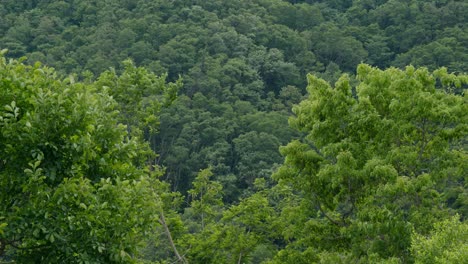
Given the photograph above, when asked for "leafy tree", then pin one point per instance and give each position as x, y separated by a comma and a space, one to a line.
256, 154
436, 54
237, 234
447, 243
75, 186
141, 96
331, 44
244, 65
206, 197
375, 163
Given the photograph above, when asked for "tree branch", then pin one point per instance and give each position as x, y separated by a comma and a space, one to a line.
319, 206
240, 258
4, 243
162, 220
335, 222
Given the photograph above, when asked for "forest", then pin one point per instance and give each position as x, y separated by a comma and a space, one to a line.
233, 131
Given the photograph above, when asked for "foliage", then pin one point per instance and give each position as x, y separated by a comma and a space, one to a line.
75, 187
233, 54
372, 163
375, 163
217, 234
447, 243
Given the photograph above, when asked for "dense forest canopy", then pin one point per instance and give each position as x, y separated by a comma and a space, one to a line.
221, 131
244, 63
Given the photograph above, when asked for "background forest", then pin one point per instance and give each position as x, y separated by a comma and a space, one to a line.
373, 164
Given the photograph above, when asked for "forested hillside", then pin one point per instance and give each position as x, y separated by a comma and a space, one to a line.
243, 62
224, 131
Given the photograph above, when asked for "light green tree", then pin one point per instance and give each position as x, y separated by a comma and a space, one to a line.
447, 243
75, 188
377, 162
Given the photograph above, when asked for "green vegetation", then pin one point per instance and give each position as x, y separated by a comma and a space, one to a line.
376, 164
161, 133
75, 187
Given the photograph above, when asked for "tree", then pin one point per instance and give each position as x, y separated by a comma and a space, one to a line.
443, 52
376, 163
331, 44
74, 186
256, 154
217, 234
447, 243
206, 197
141, 96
